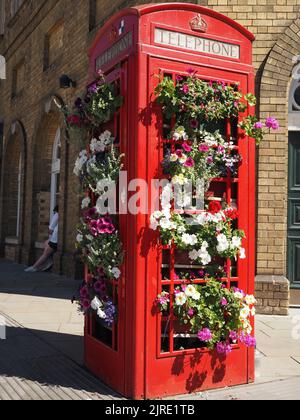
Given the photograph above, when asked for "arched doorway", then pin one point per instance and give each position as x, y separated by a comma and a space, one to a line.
13, 192
55, 171
46, 182
293, 245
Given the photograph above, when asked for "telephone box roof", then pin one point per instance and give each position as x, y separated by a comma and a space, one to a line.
158, 7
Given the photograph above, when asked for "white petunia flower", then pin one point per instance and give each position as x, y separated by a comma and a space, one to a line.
116, 273
236, 242
180, 180
157, 214
96, 304
250, 300
79, 238
196, 296
181, 230
205, 258
80, 162
204, 246
223, 243
201, 219
245, 312
180, 299
189, 239
194, 255
242, 254
239, 295
173, 157
101, 314
85, 202
153, 223
190, 291
165, 223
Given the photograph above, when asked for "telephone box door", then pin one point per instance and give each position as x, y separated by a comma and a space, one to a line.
105, 347
174, 365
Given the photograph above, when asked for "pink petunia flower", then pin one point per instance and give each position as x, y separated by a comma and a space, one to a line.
185, 88
224, 302
186, 147
203, 148
189, 163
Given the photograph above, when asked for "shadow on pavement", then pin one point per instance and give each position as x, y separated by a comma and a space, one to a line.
28, 356
13, 280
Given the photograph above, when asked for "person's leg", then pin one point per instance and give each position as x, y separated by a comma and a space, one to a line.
48, 252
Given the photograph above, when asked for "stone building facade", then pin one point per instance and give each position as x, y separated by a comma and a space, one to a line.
44, 39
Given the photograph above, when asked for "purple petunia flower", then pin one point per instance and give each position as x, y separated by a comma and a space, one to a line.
224, 348
100, 287
86, 304
93, 88
84, 292
209, 160
233, 336
205, 335
258, 126
272, 123
248, 340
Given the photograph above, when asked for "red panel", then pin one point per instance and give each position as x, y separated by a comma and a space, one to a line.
138, 369
192, 370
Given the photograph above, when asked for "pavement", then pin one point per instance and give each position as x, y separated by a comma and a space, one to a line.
42, 356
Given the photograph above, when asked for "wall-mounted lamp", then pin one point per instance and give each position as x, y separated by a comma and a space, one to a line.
65, 82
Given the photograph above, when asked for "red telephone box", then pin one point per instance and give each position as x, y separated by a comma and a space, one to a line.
137, 357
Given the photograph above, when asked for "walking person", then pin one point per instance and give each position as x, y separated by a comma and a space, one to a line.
45, 262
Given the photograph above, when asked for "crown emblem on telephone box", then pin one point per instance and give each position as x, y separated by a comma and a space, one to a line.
198, 24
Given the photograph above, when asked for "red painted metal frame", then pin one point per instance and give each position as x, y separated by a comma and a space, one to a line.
139, 369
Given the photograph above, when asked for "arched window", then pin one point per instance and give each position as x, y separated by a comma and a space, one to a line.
293, 225
13, 189
294, 106
55, 171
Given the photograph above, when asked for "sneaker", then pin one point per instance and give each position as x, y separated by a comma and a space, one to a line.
31, 270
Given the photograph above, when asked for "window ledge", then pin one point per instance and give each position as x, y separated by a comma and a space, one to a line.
39, 245
12, 241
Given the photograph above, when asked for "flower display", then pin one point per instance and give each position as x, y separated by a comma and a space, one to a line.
257, 129
96, 107
202, 149
94, 297
98, 238
205, 235
218, 316
201, 100
204, 156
